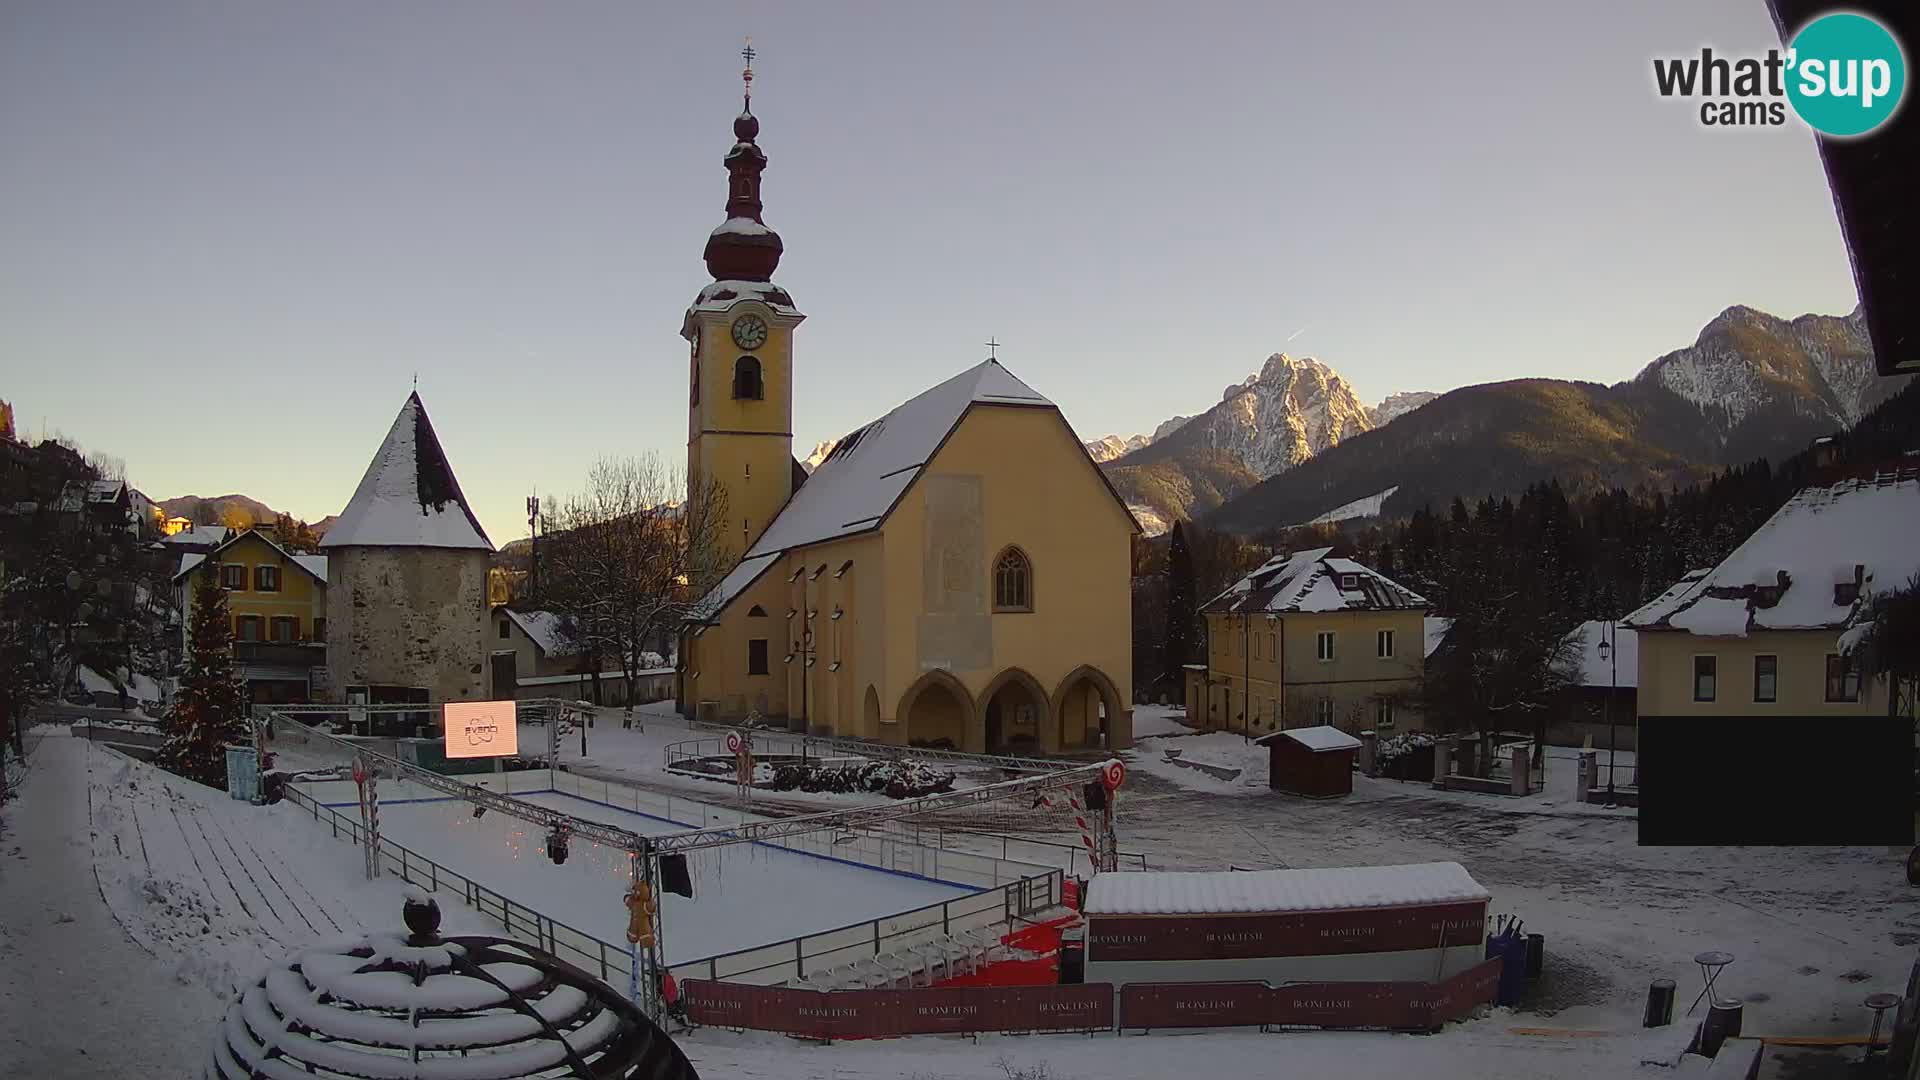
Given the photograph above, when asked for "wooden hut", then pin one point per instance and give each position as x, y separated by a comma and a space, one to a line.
1313, 761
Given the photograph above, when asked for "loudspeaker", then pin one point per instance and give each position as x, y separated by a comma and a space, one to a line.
1096, 796
673, 875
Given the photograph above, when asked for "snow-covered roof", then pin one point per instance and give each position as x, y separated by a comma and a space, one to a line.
741, 226
409, 496
545, 629
1152, 892
856, 485
203, 534
1591, 670
1308, 581
1783, 577
104, 491
312, 564
721, 295
1436, 632
1317, 738
744, 574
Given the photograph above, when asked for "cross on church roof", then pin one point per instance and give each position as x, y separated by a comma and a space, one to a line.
746, 74
993, 349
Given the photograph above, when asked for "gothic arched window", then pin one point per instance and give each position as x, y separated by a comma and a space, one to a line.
746, 379
1012, 581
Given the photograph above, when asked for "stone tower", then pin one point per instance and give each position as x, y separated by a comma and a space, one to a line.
740, 372
407, 573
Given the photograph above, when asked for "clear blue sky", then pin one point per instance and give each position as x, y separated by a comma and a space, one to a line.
233, 232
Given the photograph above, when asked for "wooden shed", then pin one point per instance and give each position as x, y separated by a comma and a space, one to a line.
1313, 761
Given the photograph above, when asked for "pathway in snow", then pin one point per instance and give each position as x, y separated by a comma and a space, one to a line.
79, 998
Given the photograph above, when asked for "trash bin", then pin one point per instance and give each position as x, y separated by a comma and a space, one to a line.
1073, 956
1722, 1023
1536, 954
1659, 1003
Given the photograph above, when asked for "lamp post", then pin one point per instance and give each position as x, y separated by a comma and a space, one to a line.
1611, 654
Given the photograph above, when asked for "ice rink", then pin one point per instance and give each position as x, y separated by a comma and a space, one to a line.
744, 895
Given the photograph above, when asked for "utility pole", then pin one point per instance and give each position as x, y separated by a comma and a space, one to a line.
533, 547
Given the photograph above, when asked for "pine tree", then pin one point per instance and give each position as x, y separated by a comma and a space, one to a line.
1181, 636
210, 712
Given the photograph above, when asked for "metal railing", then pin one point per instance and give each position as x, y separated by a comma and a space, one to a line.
1010, 891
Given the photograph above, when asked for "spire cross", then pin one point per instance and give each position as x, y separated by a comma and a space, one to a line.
993, 349
746, 74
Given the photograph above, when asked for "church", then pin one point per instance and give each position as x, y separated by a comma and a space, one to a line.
956, 573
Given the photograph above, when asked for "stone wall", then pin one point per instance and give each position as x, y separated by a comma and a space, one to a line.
407, 617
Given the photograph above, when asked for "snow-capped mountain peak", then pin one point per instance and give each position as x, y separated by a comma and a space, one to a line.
1289, 410
1746, 363
1398, 405
820, 451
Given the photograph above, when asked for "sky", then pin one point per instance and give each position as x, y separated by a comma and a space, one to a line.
235, 233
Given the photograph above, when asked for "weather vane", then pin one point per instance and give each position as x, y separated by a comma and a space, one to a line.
746, 74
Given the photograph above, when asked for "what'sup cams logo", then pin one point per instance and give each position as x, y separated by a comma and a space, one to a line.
1843, 74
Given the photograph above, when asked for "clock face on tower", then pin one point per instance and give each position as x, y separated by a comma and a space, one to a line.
749, 332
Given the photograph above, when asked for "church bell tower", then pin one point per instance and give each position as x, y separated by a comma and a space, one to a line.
740, 370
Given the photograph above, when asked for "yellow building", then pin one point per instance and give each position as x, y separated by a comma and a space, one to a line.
954, 573
278, 603
1767, 631
1308, 639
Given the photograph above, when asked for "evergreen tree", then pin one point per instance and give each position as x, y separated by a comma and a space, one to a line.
210, 712
1182, 634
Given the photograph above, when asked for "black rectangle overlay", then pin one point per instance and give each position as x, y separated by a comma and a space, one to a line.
1772, 780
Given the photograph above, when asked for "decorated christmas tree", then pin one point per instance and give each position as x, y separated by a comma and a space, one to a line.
210, 711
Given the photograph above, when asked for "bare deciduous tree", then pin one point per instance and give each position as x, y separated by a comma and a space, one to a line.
630, 558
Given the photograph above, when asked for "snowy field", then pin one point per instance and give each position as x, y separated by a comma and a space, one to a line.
745, 895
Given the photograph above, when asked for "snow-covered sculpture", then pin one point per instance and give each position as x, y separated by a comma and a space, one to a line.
417, 1006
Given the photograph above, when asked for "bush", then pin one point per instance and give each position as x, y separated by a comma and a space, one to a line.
895, 779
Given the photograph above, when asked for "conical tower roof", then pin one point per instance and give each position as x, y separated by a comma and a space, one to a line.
409, 497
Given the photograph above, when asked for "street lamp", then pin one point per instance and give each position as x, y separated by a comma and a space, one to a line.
1612, 656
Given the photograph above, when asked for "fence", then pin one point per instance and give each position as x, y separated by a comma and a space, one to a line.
832, 746
959, 1010
843, 1014
1010, 892
1396, 1006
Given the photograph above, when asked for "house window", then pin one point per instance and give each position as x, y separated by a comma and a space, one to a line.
1012, 581
1323, 645
1273, 646
266, 579
1382, 712
246, 627
1705, 672
757, 656
285, 629
1766, 678
505, 632
1843, 678
1323, 711
758, 612
1349, 581
1383, 644
747, 384
1256, 648
234, 577
319, 629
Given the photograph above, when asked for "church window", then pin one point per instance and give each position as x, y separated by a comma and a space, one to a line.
757, 656
1012, 581
746, 379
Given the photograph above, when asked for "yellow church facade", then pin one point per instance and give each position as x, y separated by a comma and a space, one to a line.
956, 573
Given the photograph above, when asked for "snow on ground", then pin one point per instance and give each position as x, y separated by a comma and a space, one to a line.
638, 756
1220, 749
744, 895
1813, 930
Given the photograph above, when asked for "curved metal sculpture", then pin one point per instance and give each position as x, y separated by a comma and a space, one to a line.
414, 1007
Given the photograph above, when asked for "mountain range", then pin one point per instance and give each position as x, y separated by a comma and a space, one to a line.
1750, 386
235, 510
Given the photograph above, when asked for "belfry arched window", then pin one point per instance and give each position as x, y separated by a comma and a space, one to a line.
1012, 581
746, 379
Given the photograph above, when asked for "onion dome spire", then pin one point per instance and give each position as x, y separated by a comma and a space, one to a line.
743, 248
